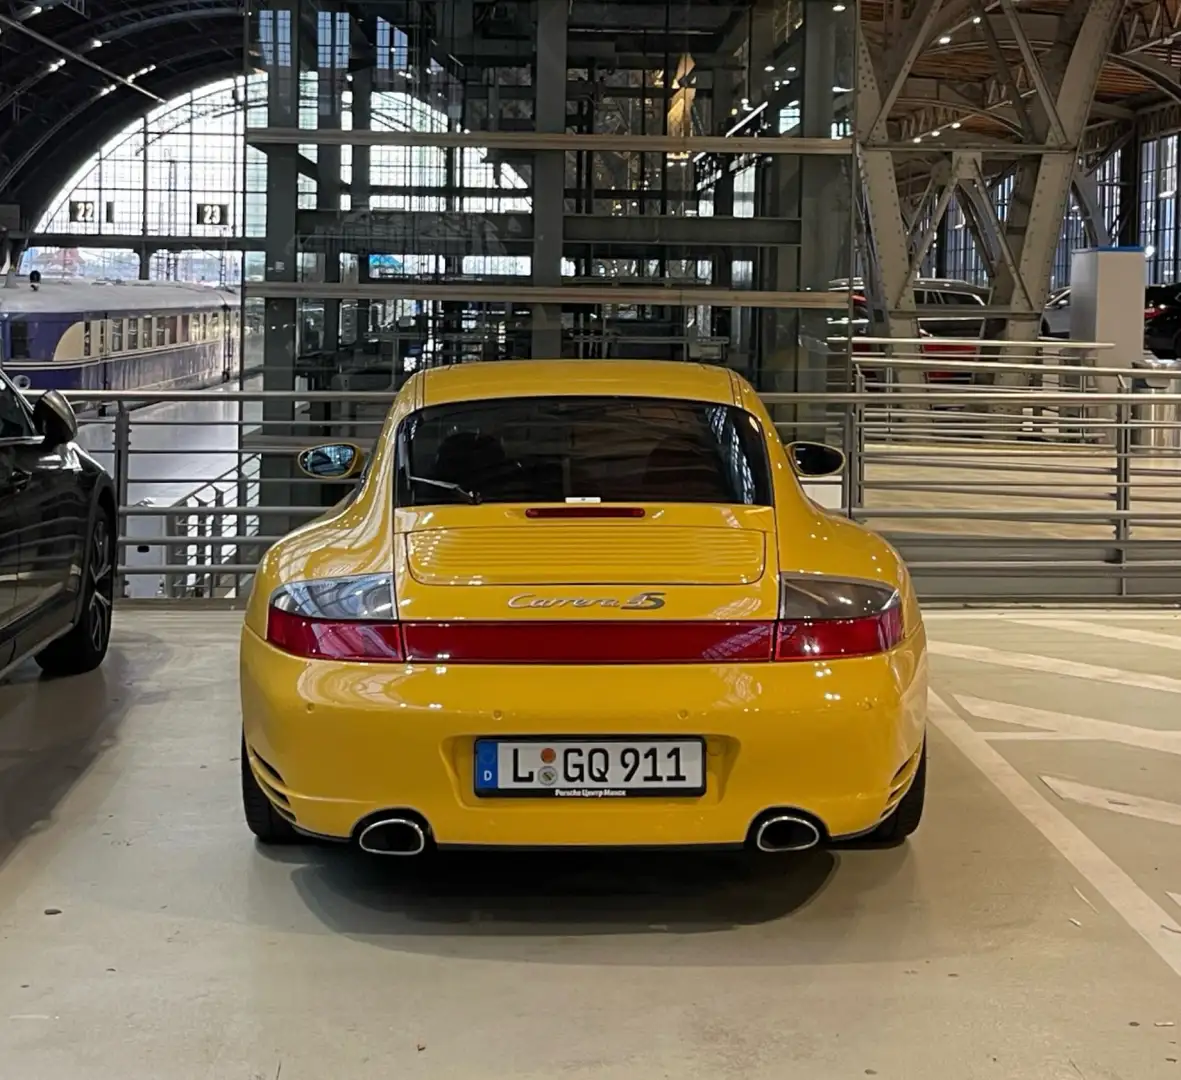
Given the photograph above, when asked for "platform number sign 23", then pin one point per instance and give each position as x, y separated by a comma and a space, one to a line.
213, 214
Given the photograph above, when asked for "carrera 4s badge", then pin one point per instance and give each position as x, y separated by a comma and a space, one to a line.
645, 601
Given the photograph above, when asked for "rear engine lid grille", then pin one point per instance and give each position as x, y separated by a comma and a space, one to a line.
599, 554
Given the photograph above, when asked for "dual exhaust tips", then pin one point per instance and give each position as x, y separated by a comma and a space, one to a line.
403, 837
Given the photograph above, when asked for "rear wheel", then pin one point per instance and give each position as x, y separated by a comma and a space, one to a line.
85, 646
262, 818
909, 812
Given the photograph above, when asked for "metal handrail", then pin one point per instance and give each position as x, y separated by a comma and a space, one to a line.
970, 496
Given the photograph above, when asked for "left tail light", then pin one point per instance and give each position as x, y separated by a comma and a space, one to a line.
351, 618
827, 618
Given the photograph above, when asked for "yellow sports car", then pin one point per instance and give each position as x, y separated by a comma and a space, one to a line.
581, 603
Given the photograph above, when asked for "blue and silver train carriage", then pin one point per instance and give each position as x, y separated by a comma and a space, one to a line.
117, 335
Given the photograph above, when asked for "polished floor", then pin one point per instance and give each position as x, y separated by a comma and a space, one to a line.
1030, 931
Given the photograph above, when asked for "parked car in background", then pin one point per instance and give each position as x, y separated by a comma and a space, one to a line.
935, 299
57, 539
1162, 333
1157, 298
1056, 315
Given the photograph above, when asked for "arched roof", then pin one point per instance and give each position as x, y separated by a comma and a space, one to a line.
57, 114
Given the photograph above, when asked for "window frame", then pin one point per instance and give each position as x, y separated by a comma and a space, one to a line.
7, 386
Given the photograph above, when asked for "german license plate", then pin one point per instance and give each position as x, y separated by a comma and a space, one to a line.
589, 768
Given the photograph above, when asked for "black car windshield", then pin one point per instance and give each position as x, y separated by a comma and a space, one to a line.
562, 449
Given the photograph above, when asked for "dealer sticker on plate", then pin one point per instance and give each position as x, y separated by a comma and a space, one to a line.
589, 768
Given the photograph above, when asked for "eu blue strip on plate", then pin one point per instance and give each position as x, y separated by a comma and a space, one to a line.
486, 770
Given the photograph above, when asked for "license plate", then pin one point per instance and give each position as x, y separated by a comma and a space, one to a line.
589, 768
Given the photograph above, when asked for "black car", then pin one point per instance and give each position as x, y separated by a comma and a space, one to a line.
57, 539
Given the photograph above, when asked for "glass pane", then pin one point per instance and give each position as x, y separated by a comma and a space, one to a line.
583, 448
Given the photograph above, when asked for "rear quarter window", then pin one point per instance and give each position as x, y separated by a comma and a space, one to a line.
563, 449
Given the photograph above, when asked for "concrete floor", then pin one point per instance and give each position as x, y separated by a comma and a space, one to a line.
1026, 933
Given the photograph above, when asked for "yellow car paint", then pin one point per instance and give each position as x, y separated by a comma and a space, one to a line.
332, 743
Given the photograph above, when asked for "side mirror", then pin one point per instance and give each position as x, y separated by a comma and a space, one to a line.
816, 459
54, 418
335, 461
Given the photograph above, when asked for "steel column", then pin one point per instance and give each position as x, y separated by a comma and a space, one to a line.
280, 333
1041, 193
549, 173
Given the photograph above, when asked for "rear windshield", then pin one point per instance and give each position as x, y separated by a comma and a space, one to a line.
559, 449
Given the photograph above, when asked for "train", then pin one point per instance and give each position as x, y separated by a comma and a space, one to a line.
75, 334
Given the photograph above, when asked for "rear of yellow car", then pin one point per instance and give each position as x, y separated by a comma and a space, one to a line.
582, 605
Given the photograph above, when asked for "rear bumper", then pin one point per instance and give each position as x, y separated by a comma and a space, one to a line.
332, 744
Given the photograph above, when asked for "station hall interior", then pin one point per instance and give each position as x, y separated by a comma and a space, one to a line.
590, 539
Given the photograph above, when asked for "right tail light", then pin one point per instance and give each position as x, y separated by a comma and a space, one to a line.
827, 618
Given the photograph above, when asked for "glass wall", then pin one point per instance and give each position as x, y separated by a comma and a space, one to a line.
961, 256
1159, 208
177, 172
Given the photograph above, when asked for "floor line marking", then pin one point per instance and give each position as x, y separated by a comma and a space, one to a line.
1118, 802
1143, 914
1053, 666
1117, 633
1068, 725
1036, 736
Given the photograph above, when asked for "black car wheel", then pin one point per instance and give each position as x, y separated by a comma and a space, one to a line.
85, 646
262, 819
909, 811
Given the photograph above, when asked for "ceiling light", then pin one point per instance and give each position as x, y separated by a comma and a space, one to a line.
976, 20
956, 124
918, 138
769, 67
36, 9
97, 43
838, 7
945, 40
791, 69
936, 132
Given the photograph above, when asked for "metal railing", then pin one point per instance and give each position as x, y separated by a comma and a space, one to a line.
1044, 477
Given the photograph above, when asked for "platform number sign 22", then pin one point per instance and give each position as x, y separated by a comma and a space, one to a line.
213, 214
83, 210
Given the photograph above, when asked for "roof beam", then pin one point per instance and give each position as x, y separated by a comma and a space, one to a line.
70, 54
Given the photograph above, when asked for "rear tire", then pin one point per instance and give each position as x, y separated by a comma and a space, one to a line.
85, 646
262, 819
909, 811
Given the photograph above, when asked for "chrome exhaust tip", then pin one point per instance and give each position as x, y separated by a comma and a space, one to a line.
393, 836
786, 832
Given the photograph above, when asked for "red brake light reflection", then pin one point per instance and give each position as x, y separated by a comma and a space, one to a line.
585, 511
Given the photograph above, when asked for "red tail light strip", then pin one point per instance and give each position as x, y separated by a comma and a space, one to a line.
554, 642
558, 642
585, 512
